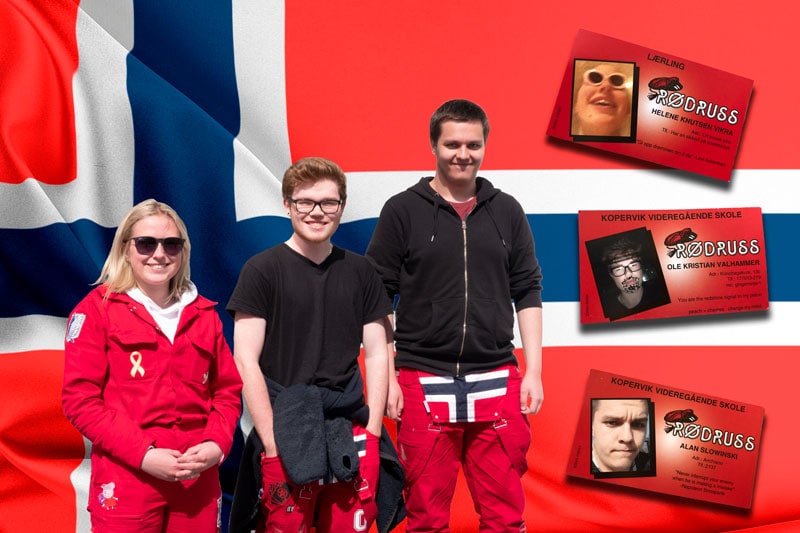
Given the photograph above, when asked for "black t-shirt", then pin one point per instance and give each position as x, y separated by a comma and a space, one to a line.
315, 313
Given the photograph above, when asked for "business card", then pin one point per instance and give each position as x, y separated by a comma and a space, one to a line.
637, 265
665, 439
651, 105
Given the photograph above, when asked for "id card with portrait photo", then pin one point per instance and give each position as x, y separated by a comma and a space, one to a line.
643, 103
638, 265
665, 439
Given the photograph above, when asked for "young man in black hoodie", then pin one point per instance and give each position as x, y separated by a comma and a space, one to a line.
460, 255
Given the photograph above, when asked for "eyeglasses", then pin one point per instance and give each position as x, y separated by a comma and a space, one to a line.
304, 206
595, 77
149, 245
619, 270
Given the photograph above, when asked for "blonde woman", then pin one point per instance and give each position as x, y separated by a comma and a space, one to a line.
150, 381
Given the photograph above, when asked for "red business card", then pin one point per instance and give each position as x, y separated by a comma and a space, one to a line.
643, 103
665, 439
637, 265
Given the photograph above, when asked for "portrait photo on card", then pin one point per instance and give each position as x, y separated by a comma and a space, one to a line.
604, 101
622, 437
627, 273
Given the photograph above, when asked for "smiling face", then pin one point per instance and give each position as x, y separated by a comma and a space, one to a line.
618, 432
459, 152
602, 105
314, 227
153, 272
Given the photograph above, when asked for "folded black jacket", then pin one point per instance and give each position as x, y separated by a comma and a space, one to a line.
304, 412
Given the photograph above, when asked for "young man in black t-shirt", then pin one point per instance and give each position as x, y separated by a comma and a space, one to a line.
302, 310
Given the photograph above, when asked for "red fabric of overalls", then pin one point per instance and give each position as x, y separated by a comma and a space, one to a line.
342, 506
493, 455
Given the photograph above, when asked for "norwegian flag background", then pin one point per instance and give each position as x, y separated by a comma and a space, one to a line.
203, 105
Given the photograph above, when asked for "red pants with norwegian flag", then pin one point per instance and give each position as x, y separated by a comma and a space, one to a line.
492, 454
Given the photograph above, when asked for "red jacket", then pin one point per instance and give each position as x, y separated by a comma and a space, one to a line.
126, 386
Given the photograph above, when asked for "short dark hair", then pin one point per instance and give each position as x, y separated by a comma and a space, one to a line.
621, 249
312, 170
596, 403
459, 111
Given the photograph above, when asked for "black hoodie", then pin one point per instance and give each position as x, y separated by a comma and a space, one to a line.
456, 281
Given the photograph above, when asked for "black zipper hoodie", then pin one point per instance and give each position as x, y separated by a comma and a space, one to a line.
456, 280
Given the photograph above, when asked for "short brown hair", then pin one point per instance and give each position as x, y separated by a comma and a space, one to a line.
312, 170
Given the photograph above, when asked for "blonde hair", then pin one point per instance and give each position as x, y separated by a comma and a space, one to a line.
117, 274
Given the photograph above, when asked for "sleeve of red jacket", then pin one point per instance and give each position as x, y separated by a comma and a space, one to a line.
85, 378
226, 388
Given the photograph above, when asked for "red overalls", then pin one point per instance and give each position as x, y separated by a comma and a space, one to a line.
127, 387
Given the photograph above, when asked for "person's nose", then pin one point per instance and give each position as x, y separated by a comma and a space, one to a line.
462, 153
605, 86
625, 433
159, 251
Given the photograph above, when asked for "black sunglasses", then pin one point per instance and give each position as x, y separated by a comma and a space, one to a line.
149, 245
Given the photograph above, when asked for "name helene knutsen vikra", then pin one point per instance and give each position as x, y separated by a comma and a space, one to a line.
717, 248
699, 107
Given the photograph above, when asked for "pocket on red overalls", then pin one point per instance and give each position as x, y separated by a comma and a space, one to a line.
367, 485
285, 505
370, 461
416, 433
514, 429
